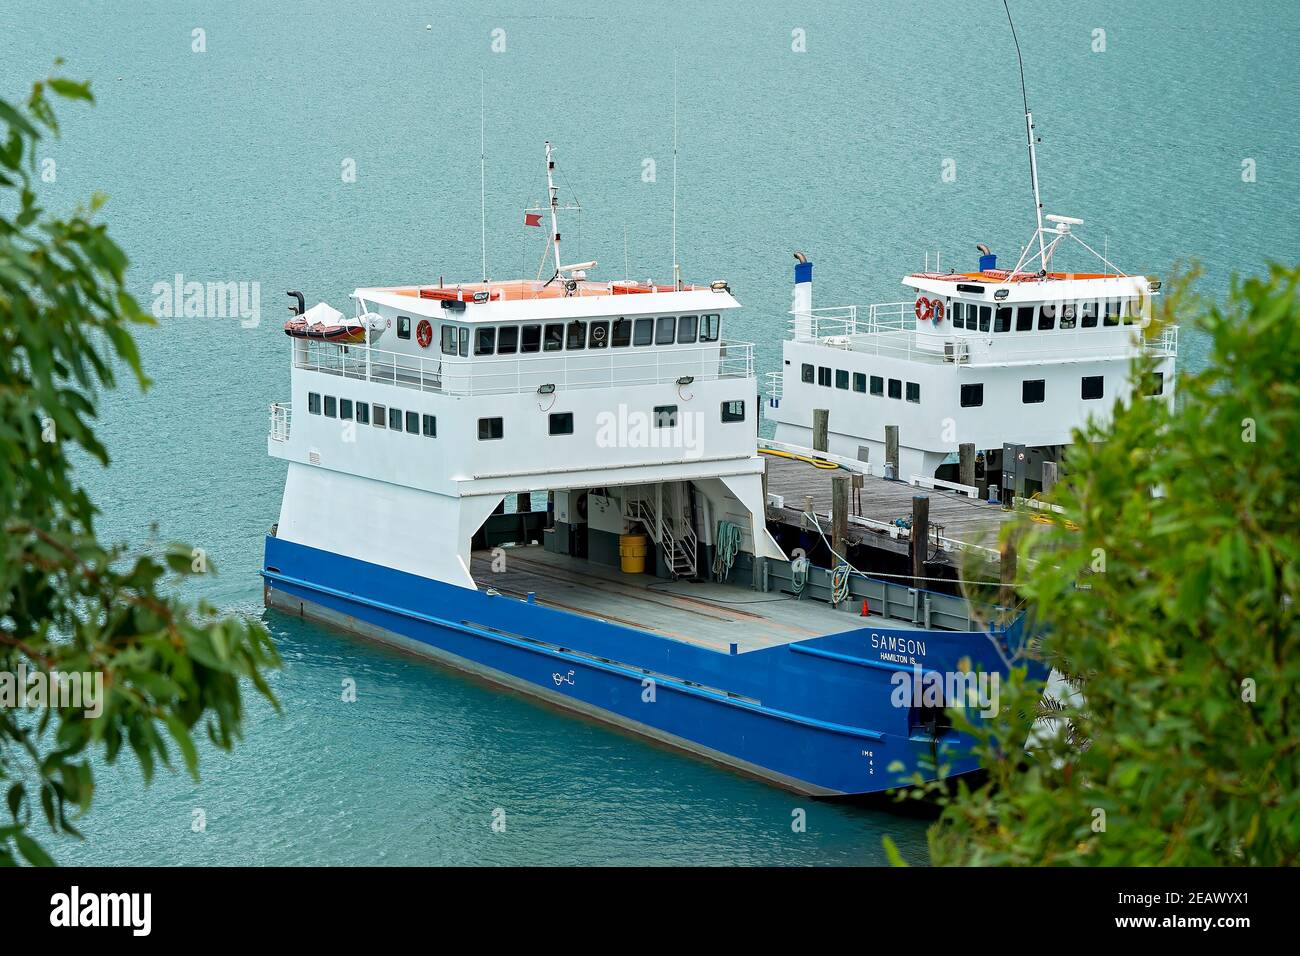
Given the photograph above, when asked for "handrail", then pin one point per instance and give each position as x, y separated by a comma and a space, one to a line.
493, 376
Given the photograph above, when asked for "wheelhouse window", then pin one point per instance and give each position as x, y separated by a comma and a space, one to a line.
710, 327
531, 338
381, 416
644, 333
859, 381
1069, 315
553, 337
395, 419
449, 340
1092, 386
363, 413
841, 378
914, 392
508, 340
1047, 318
972, 396
561, 423
1153, 384
345, 408
986, 315
490, 429
464, 343
823, 376
413, 423
1113, 310
665, 328
331, 407
1033, 391
403, 326
877, 385
805, 372
313, 402
621, 334
599, 336
687, 329
485, 339
577, 338
896, 387
1088, 318
429, 426
665, 416
959, 315
1002, 319
1025, 318
733, 412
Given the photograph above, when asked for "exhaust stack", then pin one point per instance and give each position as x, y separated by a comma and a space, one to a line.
802, 302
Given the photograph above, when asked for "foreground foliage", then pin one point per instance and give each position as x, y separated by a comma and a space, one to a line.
69, 604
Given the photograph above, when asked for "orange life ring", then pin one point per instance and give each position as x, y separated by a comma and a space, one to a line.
938, 311
424, 333
924, 308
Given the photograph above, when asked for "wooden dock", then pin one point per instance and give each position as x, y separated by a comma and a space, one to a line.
955, 520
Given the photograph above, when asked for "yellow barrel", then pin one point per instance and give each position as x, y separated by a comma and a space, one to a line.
632, 551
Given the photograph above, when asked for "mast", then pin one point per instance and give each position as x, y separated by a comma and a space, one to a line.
1029, 136
482, 172
554, 194
677, 269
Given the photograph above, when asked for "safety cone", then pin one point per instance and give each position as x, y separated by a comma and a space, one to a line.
865, 610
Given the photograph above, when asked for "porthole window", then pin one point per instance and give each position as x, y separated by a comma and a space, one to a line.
403, 326
331, 406
413, 423
972, 396
429, 426
490, 429
896, 386
395, 419
561, 423
313, 403
1033, 391
363, 413
806, 372
733, 411
345, 408
381, 417
665, 416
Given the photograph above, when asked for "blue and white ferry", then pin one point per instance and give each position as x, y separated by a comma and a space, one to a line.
556, 486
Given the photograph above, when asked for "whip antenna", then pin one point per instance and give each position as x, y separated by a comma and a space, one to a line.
1029, 136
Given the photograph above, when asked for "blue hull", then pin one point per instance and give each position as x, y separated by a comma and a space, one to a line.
814, 716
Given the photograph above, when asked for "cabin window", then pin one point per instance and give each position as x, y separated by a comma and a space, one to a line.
687, 329
1069, 316
895, 388
562, 423
841, 378
363, 413
1025, 318
331, 407
664, 330
665, 416
464, 343
733, 412
413, 423
877, 385
914, 392
381, 420
345, 408
403, 327
1092, 386
1089, 318
508, 340
485, 341
1002, 320
1113, 311
859, 381
621, 335
972, 396
1033, 391
449, 340
710, 327
553, 338
1154, 384
490, 429
823, 376
806, 373
531, 339
644, 333
959, 315
986, 314
599, 335
395, 419
577, 336
1047, 318
313, 402
429, 426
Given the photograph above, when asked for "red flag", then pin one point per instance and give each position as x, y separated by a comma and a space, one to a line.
532, 219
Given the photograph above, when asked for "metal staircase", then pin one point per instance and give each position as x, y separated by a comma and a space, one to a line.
664, 510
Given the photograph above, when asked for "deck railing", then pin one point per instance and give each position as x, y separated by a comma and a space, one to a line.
280, 415
594, 368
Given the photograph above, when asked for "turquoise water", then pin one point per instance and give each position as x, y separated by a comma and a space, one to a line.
225, 166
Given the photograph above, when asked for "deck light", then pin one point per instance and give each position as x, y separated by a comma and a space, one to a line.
1001, 294
686, 380
546, 389
720, 286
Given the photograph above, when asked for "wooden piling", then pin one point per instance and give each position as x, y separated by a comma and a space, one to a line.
1049, 477
891, 449
839, 516
1007, 576
966, 463
821, 424
920, 538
